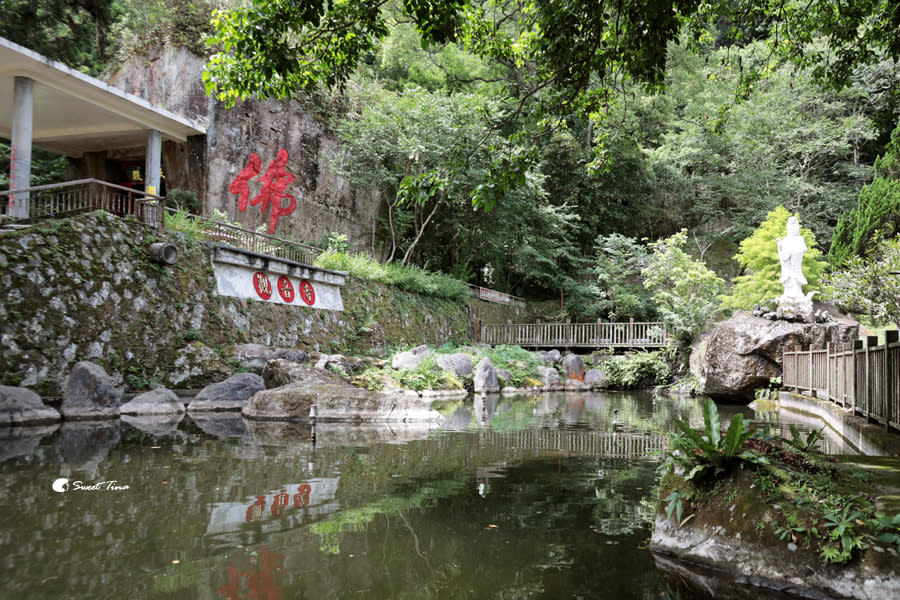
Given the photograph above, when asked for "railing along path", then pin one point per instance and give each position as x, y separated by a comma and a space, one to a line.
863, 376
632, 334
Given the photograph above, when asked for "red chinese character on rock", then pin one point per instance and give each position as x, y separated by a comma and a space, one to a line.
274, 181
260, 579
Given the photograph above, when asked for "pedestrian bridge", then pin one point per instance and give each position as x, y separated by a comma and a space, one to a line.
631, 334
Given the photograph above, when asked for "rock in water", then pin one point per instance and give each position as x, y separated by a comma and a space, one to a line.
337, 402
736, 357
90, 394
486, 377
231, 394
160, 401
282, 372
21, 405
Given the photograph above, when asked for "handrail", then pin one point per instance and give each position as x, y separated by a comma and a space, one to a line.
71, 197
263, 243
862, 377
50, 186
630, 334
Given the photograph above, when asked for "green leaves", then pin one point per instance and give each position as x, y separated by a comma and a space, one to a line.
700, 452
758, 255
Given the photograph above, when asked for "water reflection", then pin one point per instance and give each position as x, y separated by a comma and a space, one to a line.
533, 496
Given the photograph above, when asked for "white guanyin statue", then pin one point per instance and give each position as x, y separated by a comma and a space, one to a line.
793, 304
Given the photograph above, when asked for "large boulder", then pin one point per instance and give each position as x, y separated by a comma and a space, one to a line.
90, 394
548, 375
337, 402
736, 357
21, 405
231, 394
486, 379
459, 364
196, 365
411, 358
595, 379
280, 372
256, 356
155, 402
550, 357
341, 363
573, 366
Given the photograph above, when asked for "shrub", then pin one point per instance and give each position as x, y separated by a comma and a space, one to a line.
640, 370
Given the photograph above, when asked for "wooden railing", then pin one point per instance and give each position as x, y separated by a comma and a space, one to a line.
576, 335
74, 197
233, 235
862, 376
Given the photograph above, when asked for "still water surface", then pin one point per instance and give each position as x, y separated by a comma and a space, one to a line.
521, 497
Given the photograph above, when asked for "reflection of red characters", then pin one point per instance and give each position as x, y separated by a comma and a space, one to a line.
260, 580
255, 511
262, 285
281, 500
286, 289
274, 181
307, 293
301, 498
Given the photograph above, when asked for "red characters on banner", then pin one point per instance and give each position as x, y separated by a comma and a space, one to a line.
274, 181
262, 285
307, 292
255, 510
286, 289
281, 500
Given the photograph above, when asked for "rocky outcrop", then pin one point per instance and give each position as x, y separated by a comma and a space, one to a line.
458, 364
486, 379
740, 355
340, 362
784, 567
90, 394
20, 406
231, 394
155, 402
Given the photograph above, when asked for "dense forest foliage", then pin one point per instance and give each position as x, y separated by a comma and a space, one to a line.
541, 147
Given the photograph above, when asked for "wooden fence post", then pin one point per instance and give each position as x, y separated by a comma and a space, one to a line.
890, 337
809, 372
855, 347
871, 342
631, 331
568, 333
828, 372
508, 332
597, 334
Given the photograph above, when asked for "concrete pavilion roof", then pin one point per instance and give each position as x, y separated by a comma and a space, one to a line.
75, 113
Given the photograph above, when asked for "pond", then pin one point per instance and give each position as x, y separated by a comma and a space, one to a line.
511, 497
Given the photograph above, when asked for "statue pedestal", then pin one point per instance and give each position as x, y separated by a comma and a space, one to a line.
795, 308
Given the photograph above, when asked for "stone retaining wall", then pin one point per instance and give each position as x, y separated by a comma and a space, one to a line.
85, 289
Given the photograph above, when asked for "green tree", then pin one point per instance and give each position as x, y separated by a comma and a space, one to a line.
686, 293
758, 256
74, 32
878, 209
618, 287
871, 285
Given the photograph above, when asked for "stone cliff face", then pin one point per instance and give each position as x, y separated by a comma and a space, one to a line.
208, 165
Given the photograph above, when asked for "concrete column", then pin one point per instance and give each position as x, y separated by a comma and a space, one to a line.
20, 148
153, 162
